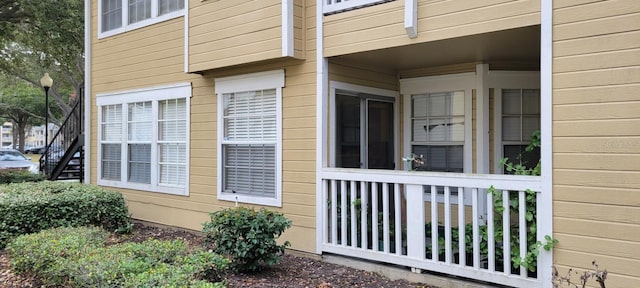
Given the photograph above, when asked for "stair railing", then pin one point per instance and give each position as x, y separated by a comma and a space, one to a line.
64, 140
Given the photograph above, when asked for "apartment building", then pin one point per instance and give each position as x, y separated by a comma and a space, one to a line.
378, 127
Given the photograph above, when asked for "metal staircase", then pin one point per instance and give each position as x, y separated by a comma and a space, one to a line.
63, 157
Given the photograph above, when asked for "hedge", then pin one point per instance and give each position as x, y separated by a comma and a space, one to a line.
31, 207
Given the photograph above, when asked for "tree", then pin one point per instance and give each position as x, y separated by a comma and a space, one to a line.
23, 105
11, 13
48, 38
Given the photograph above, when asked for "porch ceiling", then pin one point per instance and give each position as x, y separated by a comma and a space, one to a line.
519, 45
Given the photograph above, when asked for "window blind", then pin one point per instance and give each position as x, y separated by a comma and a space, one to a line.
139, 10
111, 14
167, 6
438, 123
139, 163
140, 121
112, 123
172, 136
250, 115
250, 169
111, 155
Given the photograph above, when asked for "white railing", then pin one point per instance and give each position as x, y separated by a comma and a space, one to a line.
334, 6
432, 221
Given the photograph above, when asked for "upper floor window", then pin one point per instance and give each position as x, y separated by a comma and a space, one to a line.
117, 16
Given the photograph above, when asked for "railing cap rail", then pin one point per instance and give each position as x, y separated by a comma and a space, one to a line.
498, 181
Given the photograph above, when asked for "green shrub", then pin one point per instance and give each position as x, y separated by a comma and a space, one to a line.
200, 269
32, 207
18, 176
77, 257
114, 266
50, 251
247, 236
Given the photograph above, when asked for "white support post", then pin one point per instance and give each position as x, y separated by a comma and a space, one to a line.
415, 223
545, 198
482, 119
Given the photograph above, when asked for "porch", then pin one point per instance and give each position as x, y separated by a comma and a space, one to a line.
462, 102
434, 221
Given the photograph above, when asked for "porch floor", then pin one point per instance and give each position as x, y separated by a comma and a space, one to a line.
396, 273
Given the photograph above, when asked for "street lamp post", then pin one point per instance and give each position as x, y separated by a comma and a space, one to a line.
46, 83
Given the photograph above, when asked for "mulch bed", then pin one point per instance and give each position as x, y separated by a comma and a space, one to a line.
291, 272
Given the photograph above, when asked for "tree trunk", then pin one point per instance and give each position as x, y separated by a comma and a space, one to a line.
21, 135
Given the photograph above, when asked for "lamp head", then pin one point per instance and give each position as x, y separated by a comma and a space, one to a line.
46, 81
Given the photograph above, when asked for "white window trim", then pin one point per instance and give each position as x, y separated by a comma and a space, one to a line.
499, 80
251, 82
154, 94
125, 19
393, 97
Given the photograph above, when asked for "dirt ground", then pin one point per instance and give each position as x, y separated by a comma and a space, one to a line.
291, 272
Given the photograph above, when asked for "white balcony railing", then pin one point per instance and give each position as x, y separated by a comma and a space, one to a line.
433, 221
334, 6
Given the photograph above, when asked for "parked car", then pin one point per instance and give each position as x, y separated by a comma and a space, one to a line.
34, 150
13, 159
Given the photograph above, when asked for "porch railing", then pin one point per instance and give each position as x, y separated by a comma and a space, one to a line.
442, 222
335, 6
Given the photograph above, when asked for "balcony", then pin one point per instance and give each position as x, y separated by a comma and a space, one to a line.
352, 26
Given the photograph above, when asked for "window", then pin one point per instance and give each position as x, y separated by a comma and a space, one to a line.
117, 16
520, 118
143, 139
111, 137
363, 127
249, 129
168, 6
139, 10
437, 130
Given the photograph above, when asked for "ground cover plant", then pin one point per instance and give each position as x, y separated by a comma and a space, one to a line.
32, 207
78, 257
291, 272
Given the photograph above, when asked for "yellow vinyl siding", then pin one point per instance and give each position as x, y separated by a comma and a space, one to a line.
596, 177
227, 33
154, 55
382, 26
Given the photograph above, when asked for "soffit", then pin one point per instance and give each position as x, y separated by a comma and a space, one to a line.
520, 45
